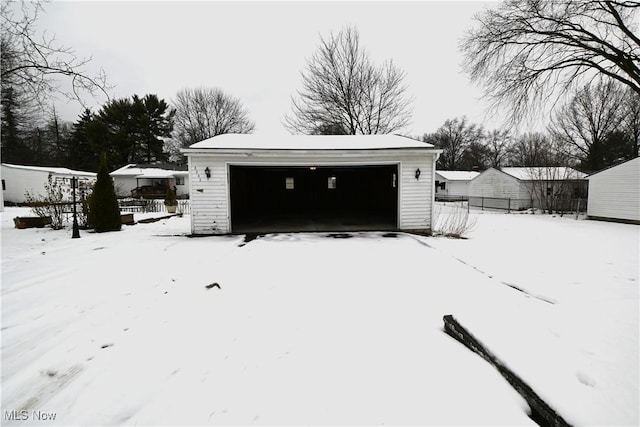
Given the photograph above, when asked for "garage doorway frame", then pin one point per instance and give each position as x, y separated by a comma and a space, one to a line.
285, 164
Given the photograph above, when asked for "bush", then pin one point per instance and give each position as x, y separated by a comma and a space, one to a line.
104, 212
452, 220
170, 198
51, 205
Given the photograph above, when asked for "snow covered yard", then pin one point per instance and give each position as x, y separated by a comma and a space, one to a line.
120, 329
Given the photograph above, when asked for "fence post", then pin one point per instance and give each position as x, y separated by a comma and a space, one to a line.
509, 206
482, 202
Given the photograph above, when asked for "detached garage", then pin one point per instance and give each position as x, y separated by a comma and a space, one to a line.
254, 183
614, 193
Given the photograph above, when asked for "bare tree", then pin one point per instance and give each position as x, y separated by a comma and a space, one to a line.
35, 63
498, 143
206, 112
631, 120
527, 51
531, 149
344, 91
585, 123
454, 137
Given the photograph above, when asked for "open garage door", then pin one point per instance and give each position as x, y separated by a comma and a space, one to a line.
322, 198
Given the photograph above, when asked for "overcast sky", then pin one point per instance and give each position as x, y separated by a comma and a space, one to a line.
256, 50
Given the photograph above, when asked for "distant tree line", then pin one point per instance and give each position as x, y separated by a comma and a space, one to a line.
598, 127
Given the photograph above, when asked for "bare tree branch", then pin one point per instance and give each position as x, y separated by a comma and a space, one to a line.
206, 112
527, 52
34, 62
344, 92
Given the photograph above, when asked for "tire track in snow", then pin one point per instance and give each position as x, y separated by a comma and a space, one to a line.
50, 390
511, 285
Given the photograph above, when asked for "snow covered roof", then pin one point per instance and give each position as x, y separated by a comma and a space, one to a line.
458, 175
636, 159
309, 142
138, 172
560, 173
51, 169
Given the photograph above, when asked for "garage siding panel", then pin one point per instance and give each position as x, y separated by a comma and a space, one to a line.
416, 195
615, 193
209, 209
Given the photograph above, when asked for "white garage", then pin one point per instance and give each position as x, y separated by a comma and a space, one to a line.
614, 193
256, 183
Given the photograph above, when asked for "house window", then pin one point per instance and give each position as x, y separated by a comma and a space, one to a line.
549, 189
331, 183
4, 185
437, 184
179, 180
289, 185
443, 185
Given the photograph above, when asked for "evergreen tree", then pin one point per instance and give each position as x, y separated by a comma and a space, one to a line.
104, 212
14, 148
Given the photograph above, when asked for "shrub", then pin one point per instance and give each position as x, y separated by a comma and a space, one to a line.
104, 212
170, 198
51, 205
452, 220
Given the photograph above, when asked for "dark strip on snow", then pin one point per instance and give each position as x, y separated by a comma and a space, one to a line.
541, 412
511, 285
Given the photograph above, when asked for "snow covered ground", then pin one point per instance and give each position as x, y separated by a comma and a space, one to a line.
120, 328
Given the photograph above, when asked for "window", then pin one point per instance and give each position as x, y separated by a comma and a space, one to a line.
443, 185
289, 183
4, 185
331, 183
179, 180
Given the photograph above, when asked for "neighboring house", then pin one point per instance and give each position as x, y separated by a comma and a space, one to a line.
453, 185
614, 193
525, 187
149, 180
245, 183
18, 179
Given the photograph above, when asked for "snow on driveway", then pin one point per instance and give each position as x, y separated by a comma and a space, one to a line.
120, 328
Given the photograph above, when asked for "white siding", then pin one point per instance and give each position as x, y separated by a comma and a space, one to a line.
416, 195
19, 181
493, 183
615, 193
210, 197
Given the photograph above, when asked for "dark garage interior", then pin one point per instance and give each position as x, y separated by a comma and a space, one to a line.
310, 198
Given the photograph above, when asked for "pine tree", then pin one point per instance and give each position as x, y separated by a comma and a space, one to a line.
104, 212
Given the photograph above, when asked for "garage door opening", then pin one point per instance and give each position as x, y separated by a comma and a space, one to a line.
322, 198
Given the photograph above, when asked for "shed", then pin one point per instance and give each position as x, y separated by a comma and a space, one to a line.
614, 193
525, 187
453, 185
18, 179
152, 180
257, 183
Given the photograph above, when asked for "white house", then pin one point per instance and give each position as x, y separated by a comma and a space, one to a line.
451, 185
132, 180
614, 193
18, 179
250, 183
525, 187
